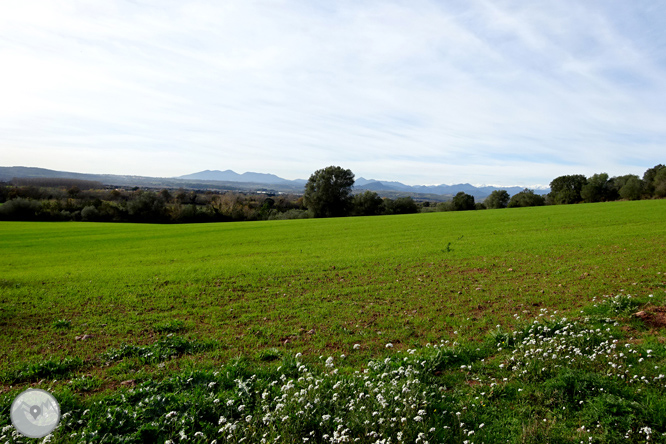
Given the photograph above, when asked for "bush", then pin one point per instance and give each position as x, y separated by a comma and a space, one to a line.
401, 205
367, 203
20, 209
444, 206
526, 198
291, 214
89, 213
147, 207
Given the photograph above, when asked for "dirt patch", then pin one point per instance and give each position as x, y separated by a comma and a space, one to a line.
654, 317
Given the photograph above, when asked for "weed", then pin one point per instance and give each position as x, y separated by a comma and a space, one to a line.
62, 324
270, 354
162, 350
172, 326
50, 369
85, 383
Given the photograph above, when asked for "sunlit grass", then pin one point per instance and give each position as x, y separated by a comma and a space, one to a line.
102, 311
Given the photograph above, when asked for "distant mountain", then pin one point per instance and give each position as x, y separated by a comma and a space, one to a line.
230, 180
479, 193
208, 180
232, 176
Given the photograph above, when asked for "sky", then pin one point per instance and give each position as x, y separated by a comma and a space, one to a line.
418, 91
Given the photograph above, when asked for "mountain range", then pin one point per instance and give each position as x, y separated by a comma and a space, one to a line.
361, 183
250, 181
232, 176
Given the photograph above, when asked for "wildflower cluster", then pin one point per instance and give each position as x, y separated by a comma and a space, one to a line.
546, 347
386, 403
581, 377
328, 407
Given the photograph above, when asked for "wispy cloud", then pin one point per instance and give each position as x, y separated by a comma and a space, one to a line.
419, 91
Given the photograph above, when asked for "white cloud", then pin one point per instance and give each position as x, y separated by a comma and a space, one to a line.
419, 91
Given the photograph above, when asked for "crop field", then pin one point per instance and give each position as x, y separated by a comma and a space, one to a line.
440, 327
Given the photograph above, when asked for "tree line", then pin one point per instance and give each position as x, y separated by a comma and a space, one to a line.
328, 193
50, 203
576, 188
73, 200
571, 189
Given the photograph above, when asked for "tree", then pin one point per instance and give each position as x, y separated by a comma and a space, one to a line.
328, 192
596, 189
165, 195
497, 199
89, 213
660, 183
20, 209
401, 205
367, 203
267, 207
147, 206
632, 188
463, 202
526, 198
649, 178
615, 184
74, 191
566, 189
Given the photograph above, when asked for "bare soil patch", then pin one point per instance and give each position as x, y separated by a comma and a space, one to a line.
654, 317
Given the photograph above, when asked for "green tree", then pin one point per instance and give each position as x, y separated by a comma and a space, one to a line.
632, 188
596, 189
20, 209
328, 192
566, 189
463, 202
267, 207
89, 213
367, 203
146, 206
497, 199
526, 198
401, 205
649, 179
615, 184
165, 195
74, 191
660, 183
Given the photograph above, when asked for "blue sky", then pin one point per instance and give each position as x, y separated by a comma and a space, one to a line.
418, 91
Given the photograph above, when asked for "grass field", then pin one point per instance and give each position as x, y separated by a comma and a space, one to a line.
104, 307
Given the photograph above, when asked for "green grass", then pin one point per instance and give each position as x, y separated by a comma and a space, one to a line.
158, 301
313, 286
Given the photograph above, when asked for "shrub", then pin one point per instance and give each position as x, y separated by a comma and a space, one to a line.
20, 209
89, 213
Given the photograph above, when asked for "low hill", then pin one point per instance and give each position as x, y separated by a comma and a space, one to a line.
250, 181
